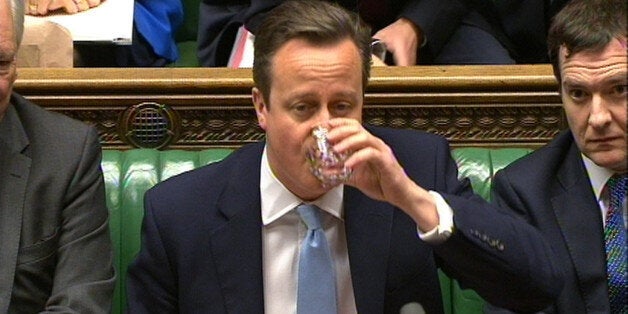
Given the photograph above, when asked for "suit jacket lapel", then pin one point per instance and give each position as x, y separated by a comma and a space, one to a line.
580, 221
237, 246
13, 179
238, 253
368, 227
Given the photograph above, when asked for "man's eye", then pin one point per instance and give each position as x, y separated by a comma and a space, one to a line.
577, 94
5, 65
300, 107
620, 90
303, 110
342, 109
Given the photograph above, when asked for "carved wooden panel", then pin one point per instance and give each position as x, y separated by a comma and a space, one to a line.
470, 105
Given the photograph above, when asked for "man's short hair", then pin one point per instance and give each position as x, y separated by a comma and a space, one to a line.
585, 25
317, 22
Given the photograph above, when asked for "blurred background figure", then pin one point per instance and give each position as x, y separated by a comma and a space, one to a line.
413, 31
155, 23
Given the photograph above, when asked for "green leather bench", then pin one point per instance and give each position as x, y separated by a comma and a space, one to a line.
128, 174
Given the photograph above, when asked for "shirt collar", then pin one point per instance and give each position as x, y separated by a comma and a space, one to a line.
277, 200
597, 175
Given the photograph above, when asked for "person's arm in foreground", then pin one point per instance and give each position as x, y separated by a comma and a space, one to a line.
500, 256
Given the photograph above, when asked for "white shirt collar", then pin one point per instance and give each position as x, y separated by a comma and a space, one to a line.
597, 175
277, 200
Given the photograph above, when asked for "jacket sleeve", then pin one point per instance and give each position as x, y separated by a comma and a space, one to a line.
151, 282
84, 276
499, 255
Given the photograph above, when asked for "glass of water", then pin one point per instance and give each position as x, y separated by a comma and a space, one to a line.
326, 164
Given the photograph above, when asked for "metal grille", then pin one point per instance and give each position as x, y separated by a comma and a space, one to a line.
149, 125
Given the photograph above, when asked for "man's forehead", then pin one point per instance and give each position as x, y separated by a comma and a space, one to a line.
616, 48
6, 17
6, 28
5, 11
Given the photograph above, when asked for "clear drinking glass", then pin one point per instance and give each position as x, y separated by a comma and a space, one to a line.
378, 49
326, 164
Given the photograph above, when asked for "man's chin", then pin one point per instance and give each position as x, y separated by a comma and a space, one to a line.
613, 159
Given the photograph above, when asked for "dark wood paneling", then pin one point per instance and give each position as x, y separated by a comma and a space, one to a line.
485, 106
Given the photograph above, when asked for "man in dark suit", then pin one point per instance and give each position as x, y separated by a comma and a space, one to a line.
520, 26
560, 188
414, 31
55, 251
225, 238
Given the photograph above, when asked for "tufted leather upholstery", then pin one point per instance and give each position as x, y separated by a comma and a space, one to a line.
128, 174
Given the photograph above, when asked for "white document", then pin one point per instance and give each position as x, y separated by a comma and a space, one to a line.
110, 22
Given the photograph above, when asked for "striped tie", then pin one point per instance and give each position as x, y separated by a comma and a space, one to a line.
616, 249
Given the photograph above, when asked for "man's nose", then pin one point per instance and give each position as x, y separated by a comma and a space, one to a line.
323, 115
599, 115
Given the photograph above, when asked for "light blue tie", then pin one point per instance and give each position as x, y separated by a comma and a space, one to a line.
317, 279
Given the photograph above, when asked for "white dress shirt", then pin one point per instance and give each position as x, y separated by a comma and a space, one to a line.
283, 231
598, 177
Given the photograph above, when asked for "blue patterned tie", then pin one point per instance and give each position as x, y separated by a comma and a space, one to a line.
616, 249
317, 279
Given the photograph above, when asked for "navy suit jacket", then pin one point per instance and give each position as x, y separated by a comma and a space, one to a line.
201, 241
551, 190
520, 25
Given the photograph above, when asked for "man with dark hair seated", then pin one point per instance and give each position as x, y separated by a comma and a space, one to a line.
574, 189
327, 215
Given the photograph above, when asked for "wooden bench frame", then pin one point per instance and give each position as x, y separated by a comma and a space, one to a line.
487, 106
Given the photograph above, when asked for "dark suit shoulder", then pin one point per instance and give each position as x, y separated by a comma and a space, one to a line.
49, 129
414, 148
208, 182
204, 196
402, 139
545, 159
54, 138
59, 146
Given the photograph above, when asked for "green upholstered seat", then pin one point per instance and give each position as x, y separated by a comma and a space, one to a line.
479, 165
128, 174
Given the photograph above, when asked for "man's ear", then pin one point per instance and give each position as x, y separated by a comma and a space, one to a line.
260, 107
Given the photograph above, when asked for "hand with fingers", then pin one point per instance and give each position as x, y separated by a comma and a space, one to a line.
402, 38
44, 7
376, 172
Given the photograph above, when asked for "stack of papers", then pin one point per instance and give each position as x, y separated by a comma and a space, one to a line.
110, 22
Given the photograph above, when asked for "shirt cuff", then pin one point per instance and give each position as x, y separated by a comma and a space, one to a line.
445, 226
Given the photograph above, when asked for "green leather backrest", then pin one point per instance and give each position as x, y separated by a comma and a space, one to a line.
128, 174
479, 165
